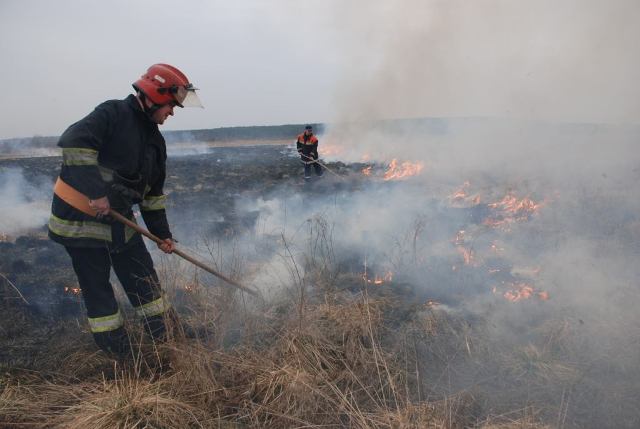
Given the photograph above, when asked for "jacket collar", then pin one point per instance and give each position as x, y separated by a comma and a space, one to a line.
133, 102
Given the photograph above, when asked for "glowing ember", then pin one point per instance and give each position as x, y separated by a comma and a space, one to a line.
72, 290
367, 171
378, 280
403, 170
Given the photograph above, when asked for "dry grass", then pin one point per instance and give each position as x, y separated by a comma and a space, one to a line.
331, 370
324, 354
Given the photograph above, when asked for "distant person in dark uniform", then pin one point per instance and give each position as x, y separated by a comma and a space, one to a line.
307, 145
113, 158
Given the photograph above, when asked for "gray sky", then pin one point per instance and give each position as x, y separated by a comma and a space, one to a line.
286, 61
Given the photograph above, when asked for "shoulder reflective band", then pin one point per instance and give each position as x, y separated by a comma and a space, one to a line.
106, 323
79, 229
153, 203
153, 308
79, 156
72, 197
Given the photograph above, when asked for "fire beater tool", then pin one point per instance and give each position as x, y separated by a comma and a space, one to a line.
81, 202
114, 214
322, 165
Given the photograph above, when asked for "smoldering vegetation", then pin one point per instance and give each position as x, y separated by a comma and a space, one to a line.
494, 286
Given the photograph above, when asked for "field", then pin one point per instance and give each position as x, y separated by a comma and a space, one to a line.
392, 297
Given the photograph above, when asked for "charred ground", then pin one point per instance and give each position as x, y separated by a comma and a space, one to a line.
344, 342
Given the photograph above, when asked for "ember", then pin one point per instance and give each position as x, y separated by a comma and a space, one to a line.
367, 171
72, 290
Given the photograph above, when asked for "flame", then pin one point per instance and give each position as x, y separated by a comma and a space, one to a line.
460, 197
403, 170
519, 291
190, 287
72, 290
378, 280
367, 170
511, 209
4, 237
543, 295
468, 255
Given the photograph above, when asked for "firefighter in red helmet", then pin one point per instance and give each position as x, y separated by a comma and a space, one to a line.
115, 158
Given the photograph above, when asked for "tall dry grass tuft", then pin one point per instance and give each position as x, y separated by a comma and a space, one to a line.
130, 401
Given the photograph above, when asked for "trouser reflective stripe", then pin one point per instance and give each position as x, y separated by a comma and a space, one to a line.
153, 308
79, 229
106, 323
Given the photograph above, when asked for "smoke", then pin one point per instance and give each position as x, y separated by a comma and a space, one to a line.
36, 146
526, 72
561, 61
533, 100
24, 203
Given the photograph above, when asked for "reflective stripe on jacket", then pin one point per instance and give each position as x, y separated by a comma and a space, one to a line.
116, 139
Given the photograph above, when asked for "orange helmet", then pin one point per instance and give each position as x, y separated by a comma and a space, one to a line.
165, 84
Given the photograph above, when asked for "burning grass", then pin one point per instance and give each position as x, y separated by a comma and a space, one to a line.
390, 337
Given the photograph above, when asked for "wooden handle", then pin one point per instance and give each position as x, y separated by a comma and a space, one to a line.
183, 255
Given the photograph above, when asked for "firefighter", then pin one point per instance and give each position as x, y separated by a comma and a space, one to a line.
307, 145
113, 158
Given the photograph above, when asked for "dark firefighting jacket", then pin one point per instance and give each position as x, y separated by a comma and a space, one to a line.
307, 145
115, 148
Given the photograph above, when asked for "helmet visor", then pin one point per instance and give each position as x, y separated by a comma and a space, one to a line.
186, 97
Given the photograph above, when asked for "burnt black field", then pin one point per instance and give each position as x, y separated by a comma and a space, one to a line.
531, 278
202, 191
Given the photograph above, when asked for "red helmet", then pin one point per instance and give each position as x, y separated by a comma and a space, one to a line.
164, 84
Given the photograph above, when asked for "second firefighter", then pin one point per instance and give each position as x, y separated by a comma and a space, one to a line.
307, 146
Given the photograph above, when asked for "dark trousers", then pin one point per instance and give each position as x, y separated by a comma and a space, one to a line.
134, 268
316, 167
307, 157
